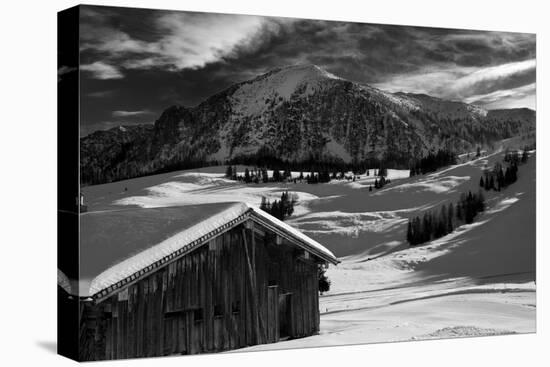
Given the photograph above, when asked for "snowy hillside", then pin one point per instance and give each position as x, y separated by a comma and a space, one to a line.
480, 277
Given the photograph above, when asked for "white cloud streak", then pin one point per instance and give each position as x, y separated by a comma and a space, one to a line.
130, 113
188, 41
524, 96
461, 86
483, 85
101, 70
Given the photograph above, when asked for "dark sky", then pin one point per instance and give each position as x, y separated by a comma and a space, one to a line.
136, 62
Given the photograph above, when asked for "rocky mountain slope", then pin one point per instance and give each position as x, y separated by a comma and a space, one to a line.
297, 113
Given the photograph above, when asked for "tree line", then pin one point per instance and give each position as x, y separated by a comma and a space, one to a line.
257, 175
265, 157
432, 162
438, 223
499, 178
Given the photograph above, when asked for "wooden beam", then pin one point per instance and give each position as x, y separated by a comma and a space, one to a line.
262, 322
253, 290
258, 230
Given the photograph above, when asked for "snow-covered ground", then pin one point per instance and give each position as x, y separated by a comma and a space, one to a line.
491, 312
201, 188
478, 280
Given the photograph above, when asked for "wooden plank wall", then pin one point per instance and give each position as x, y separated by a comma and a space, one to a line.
221, 296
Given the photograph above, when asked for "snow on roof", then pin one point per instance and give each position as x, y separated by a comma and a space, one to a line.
313, 245
119, 246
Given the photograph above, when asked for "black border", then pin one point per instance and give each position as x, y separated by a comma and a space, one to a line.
68, 185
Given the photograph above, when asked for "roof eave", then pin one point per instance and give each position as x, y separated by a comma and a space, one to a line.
289, 236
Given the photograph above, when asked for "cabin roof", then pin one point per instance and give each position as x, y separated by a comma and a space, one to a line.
119, 246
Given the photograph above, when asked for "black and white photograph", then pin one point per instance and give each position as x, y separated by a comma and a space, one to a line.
250, 183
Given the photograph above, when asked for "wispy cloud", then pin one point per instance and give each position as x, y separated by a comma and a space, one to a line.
186, 40
524, 96
157, 58
466, 83
131, 113
103, 71
493, 78
101, 94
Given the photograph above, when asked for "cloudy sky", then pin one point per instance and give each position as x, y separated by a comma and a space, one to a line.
135, 62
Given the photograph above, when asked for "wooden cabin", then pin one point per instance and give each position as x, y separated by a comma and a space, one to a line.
191, 279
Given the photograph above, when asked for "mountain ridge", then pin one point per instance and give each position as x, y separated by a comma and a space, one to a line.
296, 113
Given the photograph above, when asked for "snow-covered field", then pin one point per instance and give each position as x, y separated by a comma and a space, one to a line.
478, 280
183, 193
454, 315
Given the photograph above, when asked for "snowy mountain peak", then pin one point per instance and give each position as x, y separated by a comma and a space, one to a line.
270, 89
311, 71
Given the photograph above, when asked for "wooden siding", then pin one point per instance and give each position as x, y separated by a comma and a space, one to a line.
233, 292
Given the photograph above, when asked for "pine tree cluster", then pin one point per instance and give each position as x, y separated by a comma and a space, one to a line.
282, 208
266, 158
379, 183
257, 175
499, 178
436, 224
432, 162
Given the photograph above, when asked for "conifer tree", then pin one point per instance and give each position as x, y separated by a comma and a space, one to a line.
324, 282
263, 204
450, 217
426, 228
480, 202
287, 173
524, 155
409, 232
276, 175
417, 231
443, 221
229, 172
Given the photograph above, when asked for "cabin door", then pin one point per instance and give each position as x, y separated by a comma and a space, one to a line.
285, 315
177, 332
